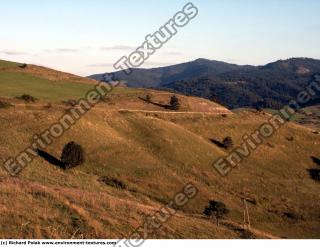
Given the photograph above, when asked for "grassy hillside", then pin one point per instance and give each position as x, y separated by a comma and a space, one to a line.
4, 65
155, 154
41, 72
15, 84
43, 83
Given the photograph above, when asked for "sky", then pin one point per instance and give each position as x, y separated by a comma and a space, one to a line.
85, 37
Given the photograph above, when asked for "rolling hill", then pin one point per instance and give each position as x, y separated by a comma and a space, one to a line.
154, 152
42, 83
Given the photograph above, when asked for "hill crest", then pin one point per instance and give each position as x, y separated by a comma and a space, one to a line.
42, 72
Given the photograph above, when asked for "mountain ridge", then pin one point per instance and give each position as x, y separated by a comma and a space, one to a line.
232, 85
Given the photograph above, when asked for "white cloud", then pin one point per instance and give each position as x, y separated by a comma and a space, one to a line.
13, 52
118, 47
61, 50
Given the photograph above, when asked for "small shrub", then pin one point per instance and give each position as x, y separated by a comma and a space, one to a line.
245, 234
27, 98
174, 103
290, 139
216, 209
291, 216
72, 155
23, 66
315, 174
227, 142
260, 105
148, 98
258, 109
113, 182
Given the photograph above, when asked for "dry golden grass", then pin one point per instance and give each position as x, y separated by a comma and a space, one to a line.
155, 153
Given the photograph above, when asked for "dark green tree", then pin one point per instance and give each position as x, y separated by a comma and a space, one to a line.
27, 98
23, 66
72, 155
216, 210
174, 103
148, 98
227, 142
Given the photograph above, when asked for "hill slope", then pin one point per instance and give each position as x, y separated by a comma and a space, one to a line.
41, 72
155, 154
42, 83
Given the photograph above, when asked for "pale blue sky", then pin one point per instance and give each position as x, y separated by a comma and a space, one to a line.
70, 35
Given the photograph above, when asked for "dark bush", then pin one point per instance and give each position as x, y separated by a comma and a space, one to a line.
315, 174
259, 105
23, 66
70, 102
148, 98
216, 209
290, 138
291, 216
27, 98
72, 155
113, 182
174, 103
245, 234
227, 142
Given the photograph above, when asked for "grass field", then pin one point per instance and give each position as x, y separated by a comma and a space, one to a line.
8, 65
155, 153
14, 84
43, 83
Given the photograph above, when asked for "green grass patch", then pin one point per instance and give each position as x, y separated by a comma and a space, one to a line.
14, 84
7, 65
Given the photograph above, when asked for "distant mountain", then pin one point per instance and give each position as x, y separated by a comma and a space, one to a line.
159, 76
232, 85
